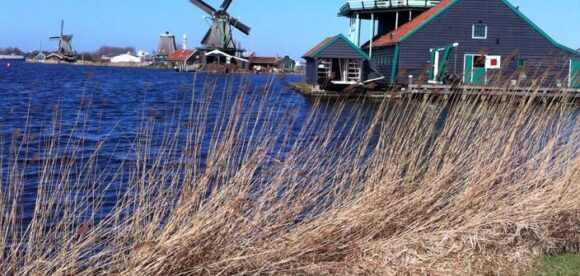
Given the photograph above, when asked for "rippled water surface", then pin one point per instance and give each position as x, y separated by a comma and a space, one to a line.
88, 107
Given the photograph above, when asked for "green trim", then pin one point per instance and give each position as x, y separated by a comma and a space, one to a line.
443, 62
336, 38
394, 69
431, 72
424, 23
521, 63
574, 74
544, 34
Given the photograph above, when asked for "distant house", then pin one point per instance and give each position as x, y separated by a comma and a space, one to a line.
336, 60
145, 56
286, 64
126, 58
263, 64
41, 57
470, 41
233, 63
184, 60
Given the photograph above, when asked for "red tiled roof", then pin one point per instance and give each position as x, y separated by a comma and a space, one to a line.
180, 55
263, 60
396, 35
319, 46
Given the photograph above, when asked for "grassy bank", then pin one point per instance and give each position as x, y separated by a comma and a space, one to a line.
467, 187
563, 265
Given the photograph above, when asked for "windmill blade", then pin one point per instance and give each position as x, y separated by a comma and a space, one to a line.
203, 6
54, 37
226, 4
240, 26
61, 27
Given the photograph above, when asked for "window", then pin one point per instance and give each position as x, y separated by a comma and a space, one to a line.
479, 61
479, 31
521, 63
382, 61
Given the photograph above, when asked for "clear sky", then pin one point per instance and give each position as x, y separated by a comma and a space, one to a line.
278, 27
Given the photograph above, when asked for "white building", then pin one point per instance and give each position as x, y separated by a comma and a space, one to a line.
126, 58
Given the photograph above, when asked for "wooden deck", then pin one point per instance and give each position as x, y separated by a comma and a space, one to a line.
445, 91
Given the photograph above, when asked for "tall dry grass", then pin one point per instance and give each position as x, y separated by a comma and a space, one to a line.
421, 187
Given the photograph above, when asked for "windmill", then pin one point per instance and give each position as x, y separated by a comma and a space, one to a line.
219, 36
65, 49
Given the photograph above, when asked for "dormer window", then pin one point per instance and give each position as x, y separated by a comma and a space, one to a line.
479, 31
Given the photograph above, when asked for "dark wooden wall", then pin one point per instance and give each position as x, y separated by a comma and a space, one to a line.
508, 35
383, 61
311, 76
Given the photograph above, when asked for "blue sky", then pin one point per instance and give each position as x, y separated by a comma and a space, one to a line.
278, 27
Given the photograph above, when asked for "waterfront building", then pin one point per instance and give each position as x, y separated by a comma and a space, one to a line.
185, 60
472, 42
126, 58
286, 64
231, 63
338, 61
263, 64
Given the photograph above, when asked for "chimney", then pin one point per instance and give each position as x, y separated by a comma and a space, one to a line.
184, 41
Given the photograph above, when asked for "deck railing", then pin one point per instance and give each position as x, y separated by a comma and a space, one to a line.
385, 4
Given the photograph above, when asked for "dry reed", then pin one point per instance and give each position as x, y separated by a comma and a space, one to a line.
421, 187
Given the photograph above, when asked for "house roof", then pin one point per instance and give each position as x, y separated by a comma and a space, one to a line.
220, 53
263, 60
320, 47
411, 26
181, 55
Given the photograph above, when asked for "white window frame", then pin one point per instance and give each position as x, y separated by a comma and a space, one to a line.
473, 31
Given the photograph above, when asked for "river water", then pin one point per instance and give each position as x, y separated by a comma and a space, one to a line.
84, 108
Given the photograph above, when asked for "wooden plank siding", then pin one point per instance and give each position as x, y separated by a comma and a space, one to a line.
382, 60
508, 35
311, 76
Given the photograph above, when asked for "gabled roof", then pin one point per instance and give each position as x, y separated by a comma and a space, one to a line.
319, 46
180, 55
412, 26
409, 28
314, 52
544, 34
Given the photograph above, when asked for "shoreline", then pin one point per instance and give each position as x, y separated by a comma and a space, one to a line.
96, 64
142, 66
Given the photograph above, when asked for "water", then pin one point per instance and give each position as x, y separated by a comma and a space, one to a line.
85, 108
108, 107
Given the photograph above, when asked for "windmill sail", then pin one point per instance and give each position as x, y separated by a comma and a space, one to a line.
203, 6
219, 36
240, 26
65, 48
226, 4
